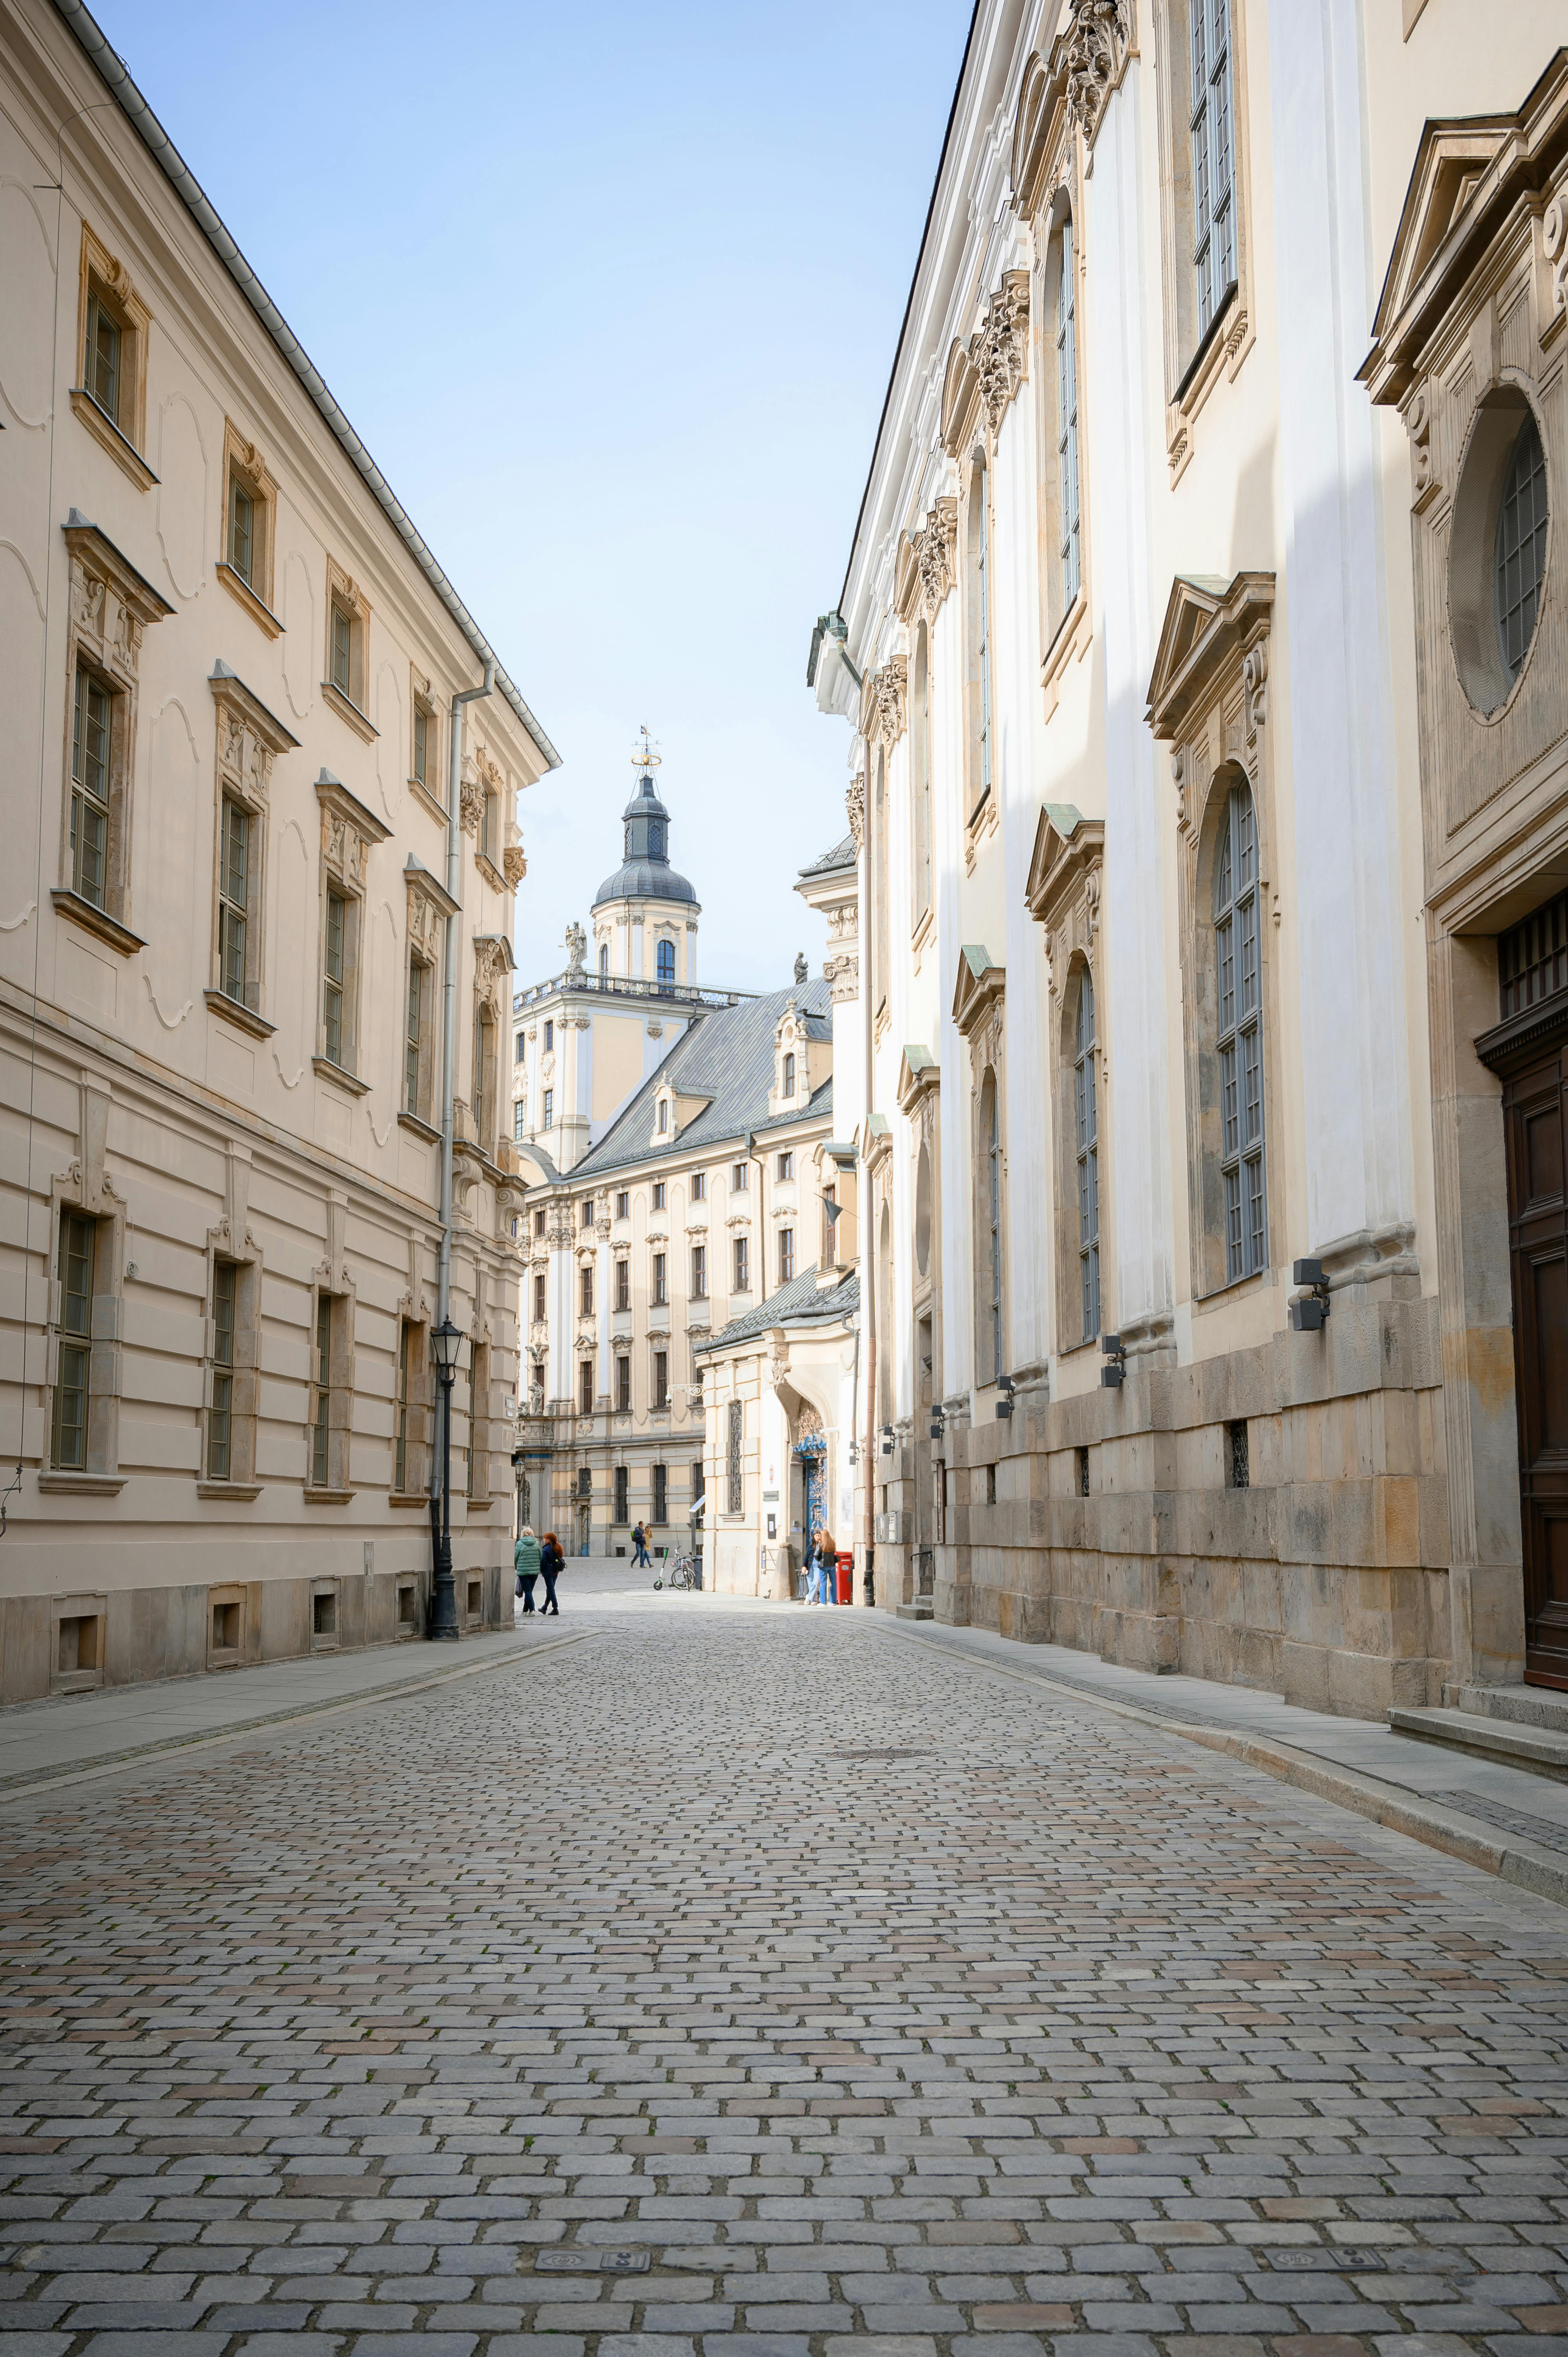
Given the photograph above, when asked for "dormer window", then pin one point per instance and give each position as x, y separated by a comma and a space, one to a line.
663, 1115
788, 1088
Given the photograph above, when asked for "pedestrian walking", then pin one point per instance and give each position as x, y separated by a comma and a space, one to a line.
827, 1559
641, 1558
525, 1561
551, 1559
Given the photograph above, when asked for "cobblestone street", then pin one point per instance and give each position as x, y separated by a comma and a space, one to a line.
739, 1979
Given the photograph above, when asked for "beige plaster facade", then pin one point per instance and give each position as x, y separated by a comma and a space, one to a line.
229, 670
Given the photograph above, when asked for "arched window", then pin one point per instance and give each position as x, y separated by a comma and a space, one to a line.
920, 770
603, 958
1521, 559
1069, 547
990, 1228
788, 1088
1238, 1035
1213, 158
666, 961
1086, 1113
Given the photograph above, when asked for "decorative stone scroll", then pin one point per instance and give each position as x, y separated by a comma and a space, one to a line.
1002, 351
1094, 48
935, 547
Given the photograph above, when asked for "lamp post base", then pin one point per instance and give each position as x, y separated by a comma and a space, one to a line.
443, 1626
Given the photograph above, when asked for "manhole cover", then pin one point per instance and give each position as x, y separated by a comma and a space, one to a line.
880, 1755
590, 2263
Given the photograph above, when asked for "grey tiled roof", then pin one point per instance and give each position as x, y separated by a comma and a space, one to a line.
728, 1057
841, 856
798, 1303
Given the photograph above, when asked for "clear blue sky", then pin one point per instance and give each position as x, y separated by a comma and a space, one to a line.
611, 293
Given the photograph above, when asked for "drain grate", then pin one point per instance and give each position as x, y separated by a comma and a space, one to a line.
1497, 1813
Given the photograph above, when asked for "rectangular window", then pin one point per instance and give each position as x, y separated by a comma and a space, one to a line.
736, 1495
479, 1483
623, 1500
484, 1075
517, 1050
549, 1038
623, 1207
585, 1217
233, 899
623, 1386
102, 371
487, 829
406, 1374
661, 1379
549, 1108
1069, 549
321, 1396
586, 1387
699, 1271
241, 531
519, 1113
414, 1038
699, 1482
342, 644
740, 1177
538, 1223
623, 1285
92, 744
539, 1300
699, 1185
585, 1291
333, 970
659, 1198
742, 1264
786, 1255
660, 1286
1213, 170
78, 1256
785, 1166
661, 1494
221, 1414
421, 749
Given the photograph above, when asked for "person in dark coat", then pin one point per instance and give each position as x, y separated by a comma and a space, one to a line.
551, 1559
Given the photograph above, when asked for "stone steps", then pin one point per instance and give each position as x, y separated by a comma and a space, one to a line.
1512, 1743
1527, 1706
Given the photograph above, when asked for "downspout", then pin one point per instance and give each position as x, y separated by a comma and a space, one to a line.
449, 1010
868, 1238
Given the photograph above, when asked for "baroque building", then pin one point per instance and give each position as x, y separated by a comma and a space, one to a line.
260, 784
1205, 708
683, 1180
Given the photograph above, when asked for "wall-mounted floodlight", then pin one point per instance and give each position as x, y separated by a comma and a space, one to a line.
1113, 1374
1310, 1314
1006, 1386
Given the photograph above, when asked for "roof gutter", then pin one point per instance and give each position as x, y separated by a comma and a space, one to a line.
111, 71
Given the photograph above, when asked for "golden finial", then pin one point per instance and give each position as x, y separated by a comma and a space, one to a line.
645, 758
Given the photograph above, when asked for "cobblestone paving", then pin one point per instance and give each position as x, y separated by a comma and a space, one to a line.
598, 1999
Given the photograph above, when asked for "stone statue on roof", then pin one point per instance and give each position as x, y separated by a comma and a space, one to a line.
800, 968
577, 947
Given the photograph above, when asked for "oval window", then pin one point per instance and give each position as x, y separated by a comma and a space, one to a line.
1497, 549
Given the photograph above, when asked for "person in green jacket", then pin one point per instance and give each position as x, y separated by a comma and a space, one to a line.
525, 1561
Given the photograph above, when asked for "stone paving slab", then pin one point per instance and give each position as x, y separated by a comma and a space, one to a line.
1050, 2033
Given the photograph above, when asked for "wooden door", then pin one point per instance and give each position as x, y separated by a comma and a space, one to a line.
1535, 1109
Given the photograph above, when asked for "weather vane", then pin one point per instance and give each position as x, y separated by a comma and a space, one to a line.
646, 759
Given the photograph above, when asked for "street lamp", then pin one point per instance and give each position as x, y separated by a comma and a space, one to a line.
446, 1349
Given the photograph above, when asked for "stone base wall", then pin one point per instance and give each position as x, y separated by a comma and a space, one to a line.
72, 1643
1323, 1580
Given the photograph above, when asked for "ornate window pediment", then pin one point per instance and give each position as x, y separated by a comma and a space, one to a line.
983, 374
1064, 884
919, 1077
981, 986
1206, 620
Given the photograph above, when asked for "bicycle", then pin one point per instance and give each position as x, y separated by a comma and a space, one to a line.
684, 1572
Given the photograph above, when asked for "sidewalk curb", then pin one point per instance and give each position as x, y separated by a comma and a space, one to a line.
1527, 1863
45, 1780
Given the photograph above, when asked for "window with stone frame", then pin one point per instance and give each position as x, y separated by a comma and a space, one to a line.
661, 1394
623, 1383
425, 741
418, 1013
1086, 1154
345, 680
1063, 896
410, 1414
666, 964
584, 1387
484, 1076
425, 927
229, 1441
348, 831
1203, 117
539, 1285
248, 739
623, 1285
1239, 1040
879, 832
699, 1271
658, 1286
329, 1398
479, 1461
978, 650
622, 1495
246, 567
586, 1289
75, 1295
786, 1255
109, 396
660, 1513
110, 607
742, 1264
733, 1470
990, 1227
699, 1185
921, 771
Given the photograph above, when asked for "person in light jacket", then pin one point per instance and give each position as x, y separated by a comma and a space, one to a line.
525, 1561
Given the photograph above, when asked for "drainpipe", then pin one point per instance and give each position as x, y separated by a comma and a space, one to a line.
449, 1010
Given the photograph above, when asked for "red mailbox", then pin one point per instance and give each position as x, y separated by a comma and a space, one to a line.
846, 1579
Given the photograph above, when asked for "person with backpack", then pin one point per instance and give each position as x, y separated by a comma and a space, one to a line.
641, 1559
525, 1559
551, 1559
